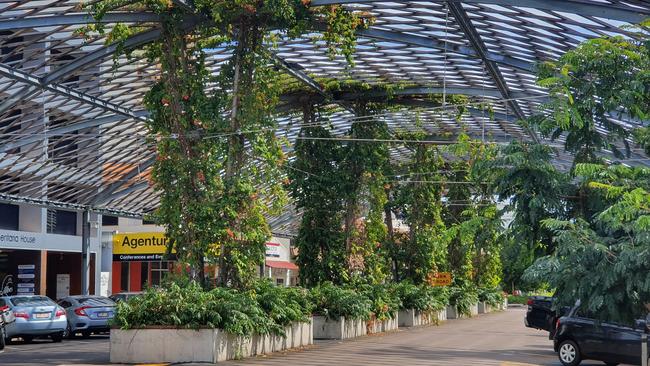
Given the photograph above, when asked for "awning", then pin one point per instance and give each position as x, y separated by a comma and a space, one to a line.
282, 264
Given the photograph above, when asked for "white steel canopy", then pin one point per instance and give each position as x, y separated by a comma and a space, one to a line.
71, 122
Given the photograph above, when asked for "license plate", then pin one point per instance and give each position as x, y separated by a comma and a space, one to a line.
42, 315
102, 315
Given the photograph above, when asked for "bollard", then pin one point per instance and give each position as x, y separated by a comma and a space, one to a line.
644, 349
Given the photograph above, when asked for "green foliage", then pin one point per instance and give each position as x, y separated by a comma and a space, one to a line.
264, 309
492, 296
523, 176
423, 297
522, 300
605, 263
601, 78
463, 295
384, 298
333, 302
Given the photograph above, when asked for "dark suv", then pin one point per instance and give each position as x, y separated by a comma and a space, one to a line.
581, 337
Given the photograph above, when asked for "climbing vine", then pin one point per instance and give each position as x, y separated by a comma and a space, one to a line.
214, 133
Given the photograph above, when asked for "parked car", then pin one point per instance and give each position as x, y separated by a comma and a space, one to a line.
580, 337
87, 314
6, 317
35, 316
124, 296
540, 314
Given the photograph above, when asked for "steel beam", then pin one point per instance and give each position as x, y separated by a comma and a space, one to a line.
100, 54
465, 23
45, 203
67, 92
77, 19
420, 41
35, 137
601, 10
104, 195
24, 93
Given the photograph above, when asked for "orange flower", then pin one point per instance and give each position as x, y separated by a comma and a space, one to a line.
305, 2
230, 233
200, 176
186, 97
164, 102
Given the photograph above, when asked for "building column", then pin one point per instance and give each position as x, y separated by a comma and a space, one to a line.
43, 274
270, 273
85, 252
288, 279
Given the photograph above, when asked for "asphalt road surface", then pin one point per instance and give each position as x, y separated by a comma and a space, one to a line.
494, 339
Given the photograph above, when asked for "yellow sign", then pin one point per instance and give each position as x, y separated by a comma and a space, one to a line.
140, 247
441, 279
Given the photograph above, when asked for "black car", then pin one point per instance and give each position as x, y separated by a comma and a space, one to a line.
581, 337
540, 314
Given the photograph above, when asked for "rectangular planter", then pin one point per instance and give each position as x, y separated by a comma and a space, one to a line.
338, 329
484, 308
203, 345
452, 312
380, 326
416, 318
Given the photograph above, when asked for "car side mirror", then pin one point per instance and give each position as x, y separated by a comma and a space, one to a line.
641, 325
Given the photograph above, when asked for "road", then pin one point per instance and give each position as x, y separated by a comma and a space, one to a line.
494, 339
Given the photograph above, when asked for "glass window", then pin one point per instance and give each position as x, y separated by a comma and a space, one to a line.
144, 275
8, 216
158, 272
31, 301
61, 222
279, 281
109, 220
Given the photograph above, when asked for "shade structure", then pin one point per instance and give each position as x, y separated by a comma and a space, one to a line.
72, 130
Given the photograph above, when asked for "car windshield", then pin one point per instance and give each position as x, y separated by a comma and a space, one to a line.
95, 301
31, 301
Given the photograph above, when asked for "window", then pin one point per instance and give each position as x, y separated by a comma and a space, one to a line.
144, 275
124, 278
62, 149
61, 222
8, 216
8, 126
158, 272
109, 220
10, 50
148, 222
65, 304
61, 57
279, 281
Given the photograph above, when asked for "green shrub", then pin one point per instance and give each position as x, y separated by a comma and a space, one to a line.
514, 299
333, 302
384, 298
493, 297
423, 298
463, 298
263, 309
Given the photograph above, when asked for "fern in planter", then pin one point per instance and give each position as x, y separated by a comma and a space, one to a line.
333, 302
422, 298
492, 297
385, 299
463, 298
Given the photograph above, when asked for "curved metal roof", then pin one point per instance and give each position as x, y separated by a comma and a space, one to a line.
71, 124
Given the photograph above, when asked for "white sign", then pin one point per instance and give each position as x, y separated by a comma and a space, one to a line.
273, 250
104, 279
26, 266
62, 285
35, 241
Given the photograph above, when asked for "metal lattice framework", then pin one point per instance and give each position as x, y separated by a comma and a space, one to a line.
71, 122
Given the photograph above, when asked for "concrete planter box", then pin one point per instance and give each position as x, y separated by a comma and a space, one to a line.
416, 318
338, 329
380, 326
452, 312
152, 345
484, 308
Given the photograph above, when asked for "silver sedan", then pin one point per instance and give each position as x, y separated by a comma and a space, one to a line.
87, 314
35, 316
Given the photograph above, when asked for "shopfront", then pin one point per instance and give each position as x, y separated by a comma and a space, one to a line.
139, 260
46, 264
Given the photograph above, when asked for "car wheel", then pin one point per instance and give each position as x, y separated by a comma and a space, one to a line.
85, 334
69, 334
57, 337
569, 353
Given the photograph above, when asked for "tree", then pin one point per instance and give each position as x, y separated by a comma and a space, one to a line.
523, 176
606, 268
589, 87
206, 124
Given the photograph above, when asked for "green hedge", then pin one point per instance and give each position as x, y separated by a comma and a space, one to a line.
493, 297
264, 309
423, 298
334, 301
463, 298
384, 299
